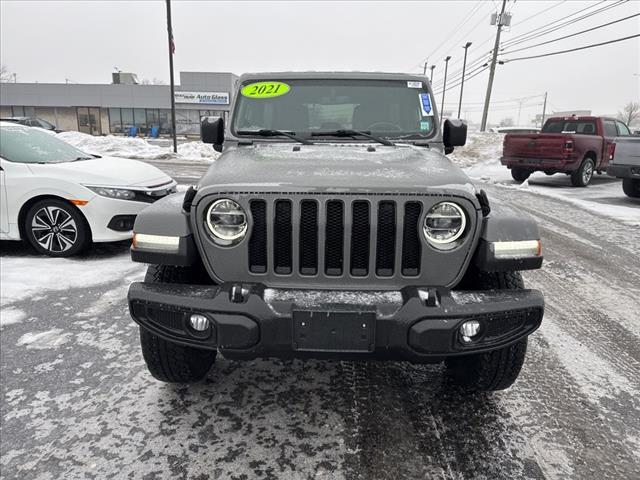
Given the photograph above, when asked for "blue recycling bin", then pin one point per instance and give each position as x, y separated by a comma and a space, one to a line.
133, 131
155, 132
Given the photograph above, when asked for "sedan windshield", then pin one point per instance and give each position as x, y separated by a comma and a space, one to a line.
308, 107
29, 145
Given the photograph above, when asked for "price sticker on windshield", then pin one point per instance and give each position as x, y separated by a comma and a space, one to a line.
264, 89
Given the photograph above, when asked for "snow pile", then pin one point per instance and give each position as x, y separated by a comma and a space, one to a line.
138, 148
481, 148
25, 276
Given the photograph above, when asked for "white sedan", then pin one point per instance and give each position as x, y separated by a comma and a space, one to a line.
60, 199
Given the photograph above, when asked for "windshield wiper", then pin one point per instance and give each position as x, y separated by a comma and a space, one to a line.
353, 133
275, 133
83, 158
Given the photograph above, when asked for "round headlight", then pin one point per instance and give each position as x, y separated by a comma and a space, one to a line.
444, 223
227, 222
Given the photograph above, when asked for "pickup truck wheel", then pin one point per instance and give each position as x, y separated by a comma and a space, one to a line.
496, 370
520, 174
583, 175
168, 361
56, 228
631, 187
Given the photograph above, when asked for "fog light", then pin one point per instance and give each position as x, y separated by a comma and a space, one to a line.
199, 322
469, 329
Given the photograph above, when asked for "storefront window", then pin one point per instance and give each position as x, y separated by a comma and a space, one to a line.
165, 121
127, 118
23, 111
115, 121
140, 120
153, 117
187, 122
89, 120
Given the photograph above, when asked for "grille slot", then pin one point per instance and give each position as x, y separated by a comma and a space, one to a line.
308, 237
258, 240
334, 238
386, 239
282, 229
360, 237
411, 248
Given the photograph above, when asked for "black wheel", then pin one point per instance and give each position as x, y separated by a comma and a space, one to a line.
56, 228
496, 370
167, 361
631, 187
520, 174
583, 175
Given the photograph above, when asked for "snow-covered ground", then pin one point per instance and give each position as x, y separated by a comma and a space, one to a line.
139, 148
480, 159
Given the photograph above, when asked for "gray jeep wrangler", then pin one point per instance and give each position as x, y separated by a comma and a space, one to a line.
334, 226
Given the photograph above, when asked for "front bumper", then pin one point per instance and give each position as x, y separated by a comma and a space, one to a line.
249, 321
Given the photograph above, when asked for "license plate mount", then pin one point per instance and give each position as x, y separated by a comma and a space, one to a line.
334, 331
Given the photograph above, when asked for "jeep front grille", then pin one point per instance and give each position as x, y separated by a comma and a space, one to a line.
336, 237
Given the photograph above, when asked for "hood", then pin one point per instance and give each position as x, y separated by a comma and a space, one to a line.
335, 168
107, 171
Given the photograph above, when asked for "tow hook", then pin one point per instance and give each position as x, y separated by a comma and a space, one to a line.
429, 296
238, 293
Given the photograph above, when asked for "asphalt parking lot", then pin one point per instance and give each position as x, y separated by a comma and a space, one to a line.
77, 401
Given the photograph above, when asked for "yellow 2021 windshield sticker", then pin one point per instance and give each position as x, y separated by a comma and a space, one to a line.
265, 89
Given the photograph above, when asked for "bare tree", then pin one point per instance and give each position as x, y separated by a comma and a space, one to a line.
506, 122
5, 75
629, 113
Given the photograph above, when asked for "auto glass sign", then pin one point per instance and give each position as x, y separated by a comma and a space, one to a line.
203, 98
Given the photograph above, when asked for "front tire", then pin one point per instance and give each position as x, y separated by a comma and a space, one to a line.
498, 369
631, 187
168, 361
56, 228
583, 175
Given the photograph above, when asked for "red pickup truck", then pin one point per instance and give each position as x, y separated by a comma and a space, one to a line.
577, 146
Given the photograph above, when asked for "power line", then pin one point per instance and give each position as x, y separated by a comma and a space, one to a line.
572, 49
539, 13
457, 27
551, 24
550, 28
478, 72
572, 35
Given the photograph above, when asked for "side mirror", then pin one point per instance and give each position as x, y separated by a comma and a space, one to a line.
454, 134
212, 131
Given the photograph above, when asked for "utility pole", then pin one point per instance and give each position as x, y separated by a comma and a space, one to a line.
173, 88
464, 66
520, 102
432, 67
492, 70
544, 109
444, 88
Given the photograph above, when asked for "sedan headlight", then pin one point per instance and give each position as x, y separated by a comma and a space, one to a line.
226, 221
444, 224
109, 192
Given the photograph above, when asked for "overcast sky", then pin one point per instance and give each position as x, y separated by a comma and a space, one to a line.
52, 41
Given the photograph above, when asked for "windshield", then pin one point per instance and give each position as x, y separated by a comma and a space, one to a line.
587, 127
28, 145
386, 108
